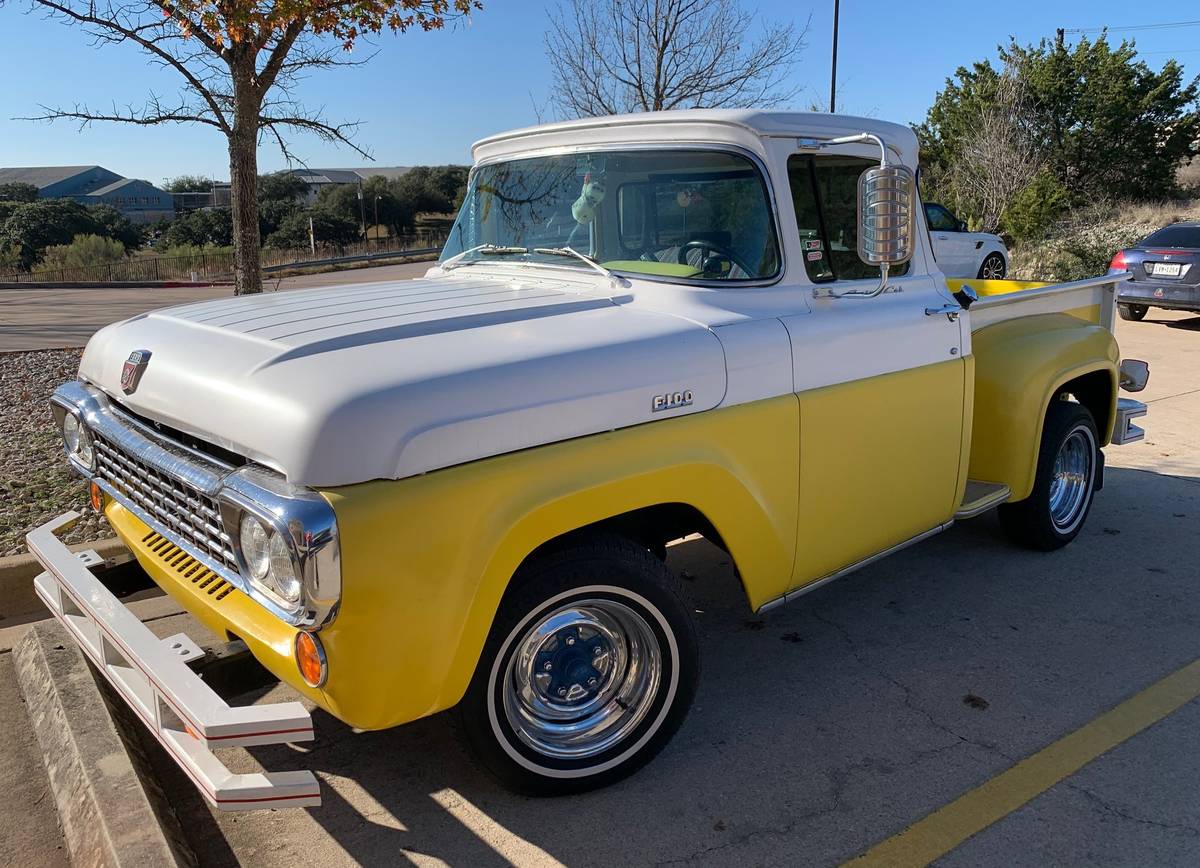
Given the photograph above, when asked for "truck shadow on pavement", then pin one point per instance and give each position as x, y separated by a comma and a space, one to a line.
819, 729
1191, 325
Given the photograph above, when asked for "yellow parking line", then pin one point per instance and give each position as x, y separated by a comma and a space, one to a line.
949, 826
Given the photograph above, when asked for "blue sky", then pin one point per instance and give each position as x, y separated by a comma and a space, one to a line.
426, 97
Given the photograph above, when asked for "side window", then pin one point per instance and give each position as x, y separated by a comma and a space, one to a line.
940, 219
825, 196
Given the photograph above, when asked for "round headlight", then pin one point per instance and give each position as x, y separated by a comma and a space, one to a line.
283, 574
78, 441
71, 429
255, 546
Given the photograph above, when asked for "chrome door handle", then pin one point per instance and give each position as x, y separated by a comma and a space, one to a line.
950, 310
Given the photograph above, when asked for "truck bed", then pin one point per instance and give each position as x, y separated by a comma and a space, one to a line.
1092, 299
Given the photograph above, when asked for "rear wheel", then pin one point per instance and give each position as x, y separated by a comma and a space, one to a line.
590, 667
1135, 312
1065, 483
993, 267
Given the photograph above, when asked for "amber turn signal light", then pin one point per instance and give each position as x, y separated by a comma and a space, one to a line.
310, 658
97, 498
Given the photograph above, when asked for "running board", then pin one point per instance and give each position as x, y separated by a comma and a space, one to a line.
980, 497
845, 571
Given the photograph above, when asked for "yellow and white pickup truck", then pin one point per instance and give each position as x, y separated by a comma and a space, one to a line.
456, 492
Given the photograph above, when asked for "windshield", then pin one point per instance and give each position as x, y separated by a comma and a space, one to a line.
669, 213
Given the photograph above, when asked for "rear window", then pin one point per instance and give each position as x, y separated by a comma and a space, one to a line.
1174, 236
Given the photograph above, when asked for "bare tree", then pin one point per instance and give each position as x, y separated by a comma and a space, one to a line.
240, 61
615, 56
1002, 157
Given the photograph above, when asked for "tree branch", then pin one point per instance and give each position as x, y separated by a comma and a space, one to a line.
135, 34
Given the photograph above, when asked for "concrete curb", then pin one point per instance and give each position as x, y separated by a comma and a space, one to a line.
17, 573
110, 814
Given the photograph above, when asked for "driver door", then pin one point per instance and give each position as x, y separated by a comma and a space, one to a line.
881, 386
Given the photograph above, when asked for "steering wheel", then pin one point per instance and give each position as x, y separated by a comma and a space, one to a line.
710, 248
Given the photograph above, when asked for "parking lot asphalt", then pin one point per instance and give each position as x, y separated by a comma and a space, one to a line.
39, 318
858, 720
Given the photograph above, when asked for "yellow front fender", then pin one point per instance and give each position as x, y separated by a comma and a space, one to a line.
426, 560
1020, 366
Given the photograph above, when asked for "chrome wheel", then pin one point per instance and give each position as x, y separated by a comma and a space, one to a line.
1071, 481
993, 267
582, 679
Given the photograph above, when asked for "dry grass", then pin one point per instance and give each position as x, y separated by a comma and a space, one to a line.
1084, 242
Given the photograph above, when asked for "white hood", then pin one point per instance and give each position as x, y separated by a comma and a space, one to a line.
340, 385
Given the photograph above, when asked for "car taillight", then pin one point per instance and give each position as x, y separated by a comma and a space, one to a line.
1118, 262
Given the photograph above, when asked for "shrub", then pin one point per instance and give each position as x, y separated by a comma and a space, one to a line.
82, 252
328, 227
1034, 210
200, 228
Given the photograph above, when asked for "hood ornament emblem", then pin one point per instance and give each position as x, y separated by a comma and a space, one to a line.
131, 373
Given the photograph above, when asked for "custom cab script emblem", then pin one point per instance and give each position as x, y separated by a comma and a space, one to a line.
135, 366
671, 400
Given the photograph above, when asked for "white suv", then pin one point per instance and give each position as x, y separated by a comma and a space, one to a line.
961, 253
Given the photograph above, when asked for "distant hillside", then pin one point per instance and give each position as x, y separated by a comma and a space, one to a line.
1084, 242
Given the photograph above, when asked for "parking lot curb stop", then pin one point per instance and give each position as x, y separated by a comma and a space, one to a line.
111, 815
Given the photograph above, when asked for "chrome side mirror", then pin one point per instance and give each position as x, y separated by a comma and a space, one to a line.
886, 195
1134, 374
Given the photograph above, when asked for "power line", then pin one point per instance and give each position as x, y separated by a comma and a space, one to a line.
1131, 27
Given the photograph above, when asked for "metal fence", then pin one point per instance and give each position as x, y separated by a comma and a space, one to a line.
217, 264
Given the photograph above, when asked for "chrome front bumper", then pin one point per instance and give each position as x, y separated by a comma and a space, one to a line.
153, 677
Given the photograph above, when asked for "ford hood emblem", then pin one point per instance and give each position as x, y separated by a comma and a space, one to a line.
131, 373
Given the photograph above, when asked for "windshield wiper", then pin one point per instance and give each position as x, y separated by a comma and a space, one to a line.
483, 250
582, 257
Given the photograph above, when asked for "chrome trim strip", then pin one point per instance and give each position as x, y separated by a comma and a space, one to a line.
845, 571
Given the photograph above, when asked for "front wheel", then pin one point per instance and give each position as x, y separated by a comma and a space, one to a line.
590, 667
1134, 312
993, 267
1065, 483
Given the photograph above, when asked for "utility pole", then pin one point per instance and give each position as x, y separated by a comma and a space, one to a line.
833, 66
376, 217
362, 210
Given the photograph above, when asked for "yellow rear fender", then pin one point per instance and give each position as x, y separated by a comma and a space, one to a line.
426, 560
1020, 366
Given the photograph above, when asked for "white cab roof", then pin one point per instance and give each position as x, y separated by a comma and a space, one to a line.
742, 127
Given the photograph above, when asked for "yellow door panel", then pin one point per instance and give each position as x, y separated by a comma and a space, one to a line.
879, 464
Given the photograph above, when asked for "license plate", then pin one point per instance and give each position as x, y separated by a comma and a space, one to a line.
1164, 269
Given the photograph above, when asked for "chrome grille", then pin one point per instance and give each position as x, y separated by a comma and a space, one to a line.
186, 516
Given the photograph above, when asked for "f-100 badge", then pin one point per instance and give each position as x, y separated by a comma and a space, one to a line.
671, 400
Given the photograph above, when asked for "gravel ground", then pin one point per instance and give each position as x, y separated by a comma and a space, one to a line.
35, 484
